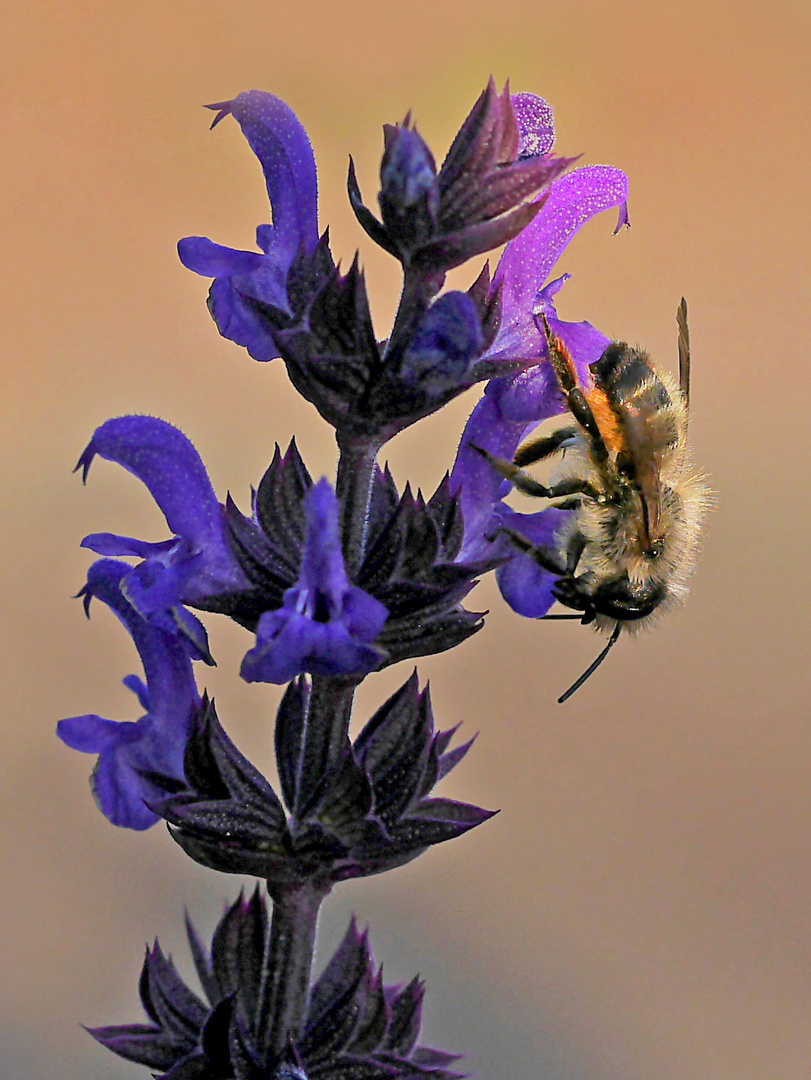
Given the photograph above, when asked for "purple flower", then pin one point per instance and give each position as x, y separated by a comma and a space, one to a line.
446, 341
326, 625
409, 563
279, 140
197, 562
133, 756
514, 405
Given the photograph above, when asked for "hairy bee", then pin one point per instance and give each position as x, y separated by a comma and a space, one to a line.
630, 544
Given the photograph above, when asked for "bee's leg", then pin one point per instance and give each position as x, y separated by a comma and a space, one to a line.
581, 411
538, 449
560, 490
564, 368
525, 483
544, 557
573, 552
573, 486
512, 473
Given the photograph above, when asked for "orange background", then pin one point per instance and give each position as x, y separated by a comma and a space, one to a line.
641, 908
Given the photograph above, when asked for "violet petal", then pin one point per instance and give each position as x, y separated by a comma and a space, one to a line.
279, 140
208, 259
326, 625
573, 200
525, 585
129, 752
167, 463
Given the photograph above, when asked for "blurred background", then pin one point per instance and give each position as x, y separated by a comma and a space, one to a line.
641, 908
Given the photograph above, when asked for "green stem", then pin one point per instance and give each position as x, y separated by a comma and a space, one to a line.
356, 467
326, 733
414, 302
287, 964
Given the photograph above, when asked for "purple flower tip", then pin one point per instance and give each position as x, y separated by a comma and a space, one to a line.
222, 108
623, 219
86, 460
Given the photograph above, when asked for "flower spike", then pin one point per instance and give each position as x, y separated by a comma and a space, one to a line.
338, 582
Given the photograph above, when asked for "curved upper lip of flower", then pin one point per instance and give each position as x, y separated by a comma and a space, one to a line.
280, 142
197, 562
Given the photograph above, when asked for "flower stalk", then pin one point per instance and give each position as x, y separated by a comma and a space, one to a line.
414, 302
325, 734
332, 584
287, 966
356, 469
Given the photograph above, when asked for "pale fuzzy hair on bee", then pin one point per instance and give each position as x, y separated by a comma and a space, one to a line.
611, 533
637, 500
629, 546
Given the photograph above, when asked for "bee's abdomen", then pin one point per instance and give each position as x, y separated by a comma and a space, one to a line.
636, 393
627, 376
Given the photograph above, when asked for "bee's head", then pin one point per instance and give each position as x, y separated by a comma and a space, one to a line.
616, 598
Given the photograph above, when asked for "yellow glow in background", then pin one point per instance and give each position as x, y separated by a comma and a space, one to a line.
641, 908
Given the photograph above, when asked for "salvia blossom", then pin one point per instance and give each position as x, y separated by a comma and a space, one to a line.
334, 581
197, 562
278, 139
131, 754
325, 625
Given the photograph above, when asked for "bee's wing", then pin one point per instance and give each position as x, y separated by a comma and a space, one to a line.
645, 433
684, 352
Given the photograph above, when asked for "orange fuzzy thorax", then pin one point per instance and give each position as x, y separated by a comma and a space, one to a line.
606, 419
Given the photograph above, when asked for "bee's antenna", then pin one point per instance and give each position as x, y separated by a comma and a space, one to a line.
592, 667
578, 617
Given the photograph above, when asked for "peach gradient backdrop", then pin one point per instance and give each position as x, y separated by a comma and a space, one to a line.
641, 908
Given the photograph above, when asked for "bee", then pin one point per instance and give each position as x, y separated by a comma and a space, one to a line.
630, 544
